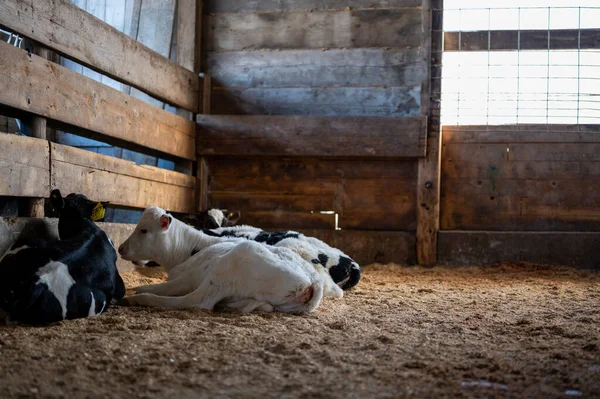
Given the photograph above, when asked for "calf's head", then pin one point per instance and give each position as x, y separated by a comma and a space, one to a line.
212, 219
72, 210
151, 238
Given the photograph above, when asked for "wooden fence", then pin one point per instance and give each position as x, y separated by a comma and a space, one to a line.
281, 169
43, 94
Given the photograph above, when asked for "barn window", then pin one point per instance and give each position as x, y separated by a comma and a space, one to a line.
521, 61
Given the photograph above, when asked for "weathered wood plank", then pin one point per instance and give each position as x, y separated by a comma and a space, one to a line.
380, 219
154, 29
25, 166
429, 178
537, 170
122, 182
300, 184
309, 68
520, 204
345, 198
316, 30
548, 191
428, 202
203, 184
496, 222
232, 6
312, 136
66, 29
38, 130
522, 134
292, 168
289, 220
337, 101
187, 44
480, 248
267, 184
555, 39
41, 87
367, 247
529, 152
272, 202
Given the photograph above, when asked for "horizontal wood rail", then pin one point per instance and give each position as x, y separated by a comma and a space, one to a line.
502, 40
32, 167
65, 28
318, 29
323, 136
481, 248
233, 6
522, 134
41, 87
121, 182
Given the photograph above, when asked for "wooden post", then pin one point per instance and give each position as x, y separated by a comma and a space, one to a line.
203, 170
428, 188
205, 95
189, 46
187, 42
38, 130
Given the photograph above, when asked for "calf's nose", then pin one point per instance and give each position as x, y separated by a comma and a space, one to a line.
121, 249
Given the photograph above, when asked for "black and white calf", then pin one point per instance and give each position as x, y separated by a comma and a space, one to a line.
212, 219
76, 276
344, 271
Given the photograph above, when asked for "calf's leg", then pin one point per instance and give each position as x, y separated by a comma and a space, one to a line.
249, 305
204, 297
177, 287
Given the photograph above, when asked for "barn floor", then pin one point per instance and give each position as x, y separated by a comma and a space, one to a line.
508, 331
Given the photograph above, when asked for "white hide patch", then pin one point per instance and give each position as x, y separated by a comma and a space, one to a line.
92, 311
217, 214
57, 278
13, 251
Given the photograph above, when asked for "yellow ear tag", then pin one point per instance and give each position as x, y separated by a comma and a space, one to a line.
98, 212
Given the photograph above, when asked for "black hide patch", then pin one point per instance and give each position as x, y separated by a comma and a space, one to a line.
342, 270
274, 238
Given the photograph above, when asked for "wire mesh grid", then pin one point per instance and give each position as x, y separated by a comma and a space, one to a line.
519, 86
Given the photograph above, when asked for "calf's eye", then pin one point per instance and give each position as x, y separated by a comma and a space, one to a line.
143, 231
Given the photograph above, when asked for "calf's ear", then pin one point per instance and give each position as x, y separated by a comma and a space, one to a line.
56, 199
165, 222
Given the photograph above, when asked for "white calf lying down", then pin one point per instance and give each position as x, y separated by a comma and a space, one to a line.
205, 271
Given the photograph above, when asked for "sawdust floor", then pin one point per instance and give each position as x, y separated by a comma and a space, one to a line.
508, 331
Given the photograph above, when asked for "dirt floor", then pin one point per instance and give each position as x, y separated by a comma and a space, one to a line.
508, 331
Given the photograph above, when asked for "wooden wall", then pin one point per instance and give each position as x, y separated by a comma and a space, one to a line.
532, 178
526, 192
312, 59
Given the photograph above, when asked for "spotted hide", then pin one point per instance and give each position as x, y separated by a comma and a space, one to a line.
76, 276
344, 271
